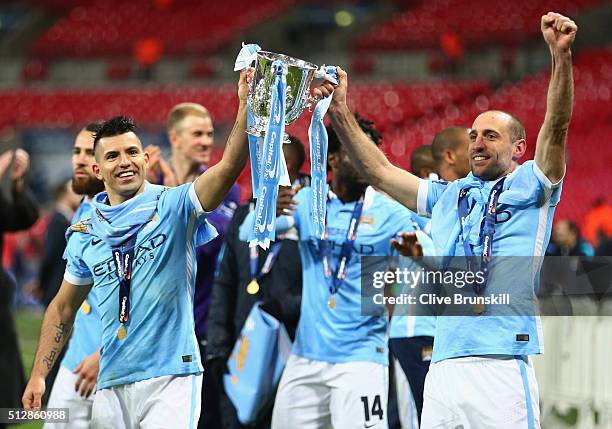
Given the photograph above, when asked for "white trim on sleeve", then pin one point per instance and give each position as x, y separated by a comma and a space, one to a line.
78, 281
196, 201
545, 180
422, 198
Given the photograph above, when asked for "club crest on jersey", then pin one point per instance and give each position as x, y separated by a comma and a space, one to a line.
151, 223
366, 220
81, 226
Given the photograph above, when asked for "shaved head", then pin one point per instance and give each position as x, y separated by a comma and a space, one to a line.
514, 127
497, 142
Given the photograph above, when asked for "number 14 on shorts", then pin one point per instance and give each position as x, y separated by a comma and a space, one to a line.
372, 409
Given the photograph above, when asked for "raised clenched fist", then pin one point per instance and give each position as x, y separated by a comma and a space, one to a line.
559, 31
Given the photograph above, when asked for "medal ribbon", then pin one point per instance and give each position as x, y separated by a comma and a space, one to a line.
334, 282
488, 230
270, 260
317, 135
123, 256
265, 211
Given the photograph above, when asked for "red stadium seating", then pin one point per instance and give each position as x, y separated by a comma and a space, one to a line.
589, 153
112, 27
477, 22
408, 114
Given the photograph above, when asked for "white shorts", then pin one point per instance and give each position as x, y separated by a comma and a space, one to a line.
409, 418
314, 394
164, 402
63, 395
481, 393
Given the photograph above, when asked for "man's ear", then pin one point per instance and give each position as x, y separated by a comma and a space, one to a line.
519, 149
449, 157
96, 170
172, 137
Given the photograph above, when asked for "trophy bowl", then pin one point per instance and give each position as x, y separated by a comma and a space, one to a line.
300, 74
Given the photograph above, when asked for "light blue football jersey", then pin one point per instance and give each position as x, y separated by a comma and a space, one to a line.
87, 329
160, 332
344, 334
523, 224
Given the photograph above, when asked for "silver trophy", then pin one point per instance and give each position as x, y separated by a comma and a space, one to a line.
300, 74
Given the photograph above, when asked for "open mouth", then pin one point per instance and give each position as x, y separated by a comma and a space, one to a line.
479, 159
126, 175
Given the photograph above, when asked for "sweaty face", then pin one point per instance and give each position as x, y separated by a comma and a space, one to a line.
195, 138
121, 164
491, 150
84, 181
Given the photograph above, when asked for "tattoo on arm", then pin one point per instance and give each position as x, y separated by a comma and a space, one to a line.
61, 333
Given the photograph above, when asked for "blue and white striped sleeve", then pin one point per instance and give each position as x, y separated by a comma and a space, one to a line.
429, 193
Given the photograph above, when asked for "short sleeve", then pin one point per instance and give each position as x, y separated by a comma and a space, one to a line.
428, 195
77, 272
181, 201
552, 191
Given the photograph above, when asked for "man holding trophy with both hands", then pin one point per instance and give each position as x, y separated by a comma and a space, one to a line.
150, 370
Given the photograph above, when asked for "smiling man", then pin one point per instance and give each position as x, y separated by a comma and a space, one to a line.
481, 375
138, 250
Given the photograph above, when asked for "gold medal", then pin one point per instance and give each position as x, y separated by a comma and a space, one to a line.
121, 332
253, 287
478, 308
332, 302
85, 307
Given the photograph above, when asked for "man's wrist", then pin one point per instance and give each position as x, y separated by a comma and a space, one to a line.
338, 109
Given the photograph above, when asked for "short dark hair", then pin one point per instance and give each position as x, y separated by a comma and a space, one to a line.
448, 138
298, 147
114, 127
94, 127
420, 158
366, 125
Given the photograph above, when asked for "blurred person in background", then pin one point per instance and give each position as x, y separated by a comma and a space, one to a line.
72, 382
450, 152
53, 266
597, 227
280, 285
422, 162
18, 211
567, 241
191, 134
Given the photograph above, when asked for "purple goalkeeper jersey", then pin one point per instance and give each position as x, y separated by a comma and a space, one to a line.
207, 256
